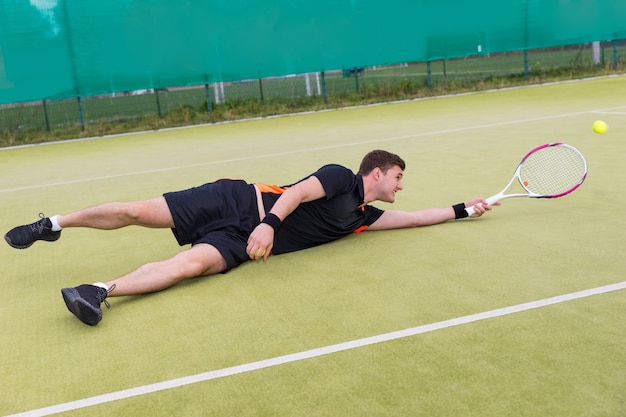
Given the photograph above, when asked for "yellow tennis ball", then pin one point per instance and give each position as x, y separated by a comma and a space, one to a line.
600, 127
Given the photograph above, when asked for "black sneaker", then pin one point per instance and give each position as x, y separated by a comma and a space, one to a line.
84, 302
21, 237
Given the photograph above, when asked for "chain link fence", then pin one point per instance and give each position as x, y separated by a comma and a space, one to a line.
324, 87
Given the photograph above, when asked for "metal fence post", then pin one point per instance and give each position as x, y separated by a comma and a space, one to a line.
219, 92
158, 102
45, 115
307, 83
324, 88
207, 94
429, 75
261, 89
80, 113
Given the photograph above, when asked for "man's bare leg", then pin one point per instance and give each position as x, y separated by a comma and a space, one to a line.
109, 216
199, 260
147, 213
202, 259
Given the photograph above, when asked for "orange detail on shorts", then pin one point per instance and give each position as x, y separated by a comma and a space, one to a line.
267, 188
360, 229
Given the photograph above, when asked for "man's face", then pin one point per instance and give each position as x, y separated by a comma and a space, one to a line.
389, 183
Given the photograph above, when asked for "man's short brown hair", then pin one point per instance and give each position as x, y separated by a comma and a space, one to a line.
380, 159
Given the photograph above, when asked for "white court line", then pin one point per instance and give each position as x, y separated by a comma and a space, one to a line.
293, 152
609, 112
308, 354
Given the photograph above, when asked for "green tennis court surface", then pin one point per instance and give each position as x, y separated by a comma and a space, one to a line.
201, 348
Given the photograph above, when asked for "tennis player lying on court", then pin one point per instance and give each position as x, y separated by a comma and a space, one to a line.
229, 222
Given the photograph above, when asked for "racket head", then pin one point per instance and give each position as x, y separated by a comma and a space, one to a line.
552, 170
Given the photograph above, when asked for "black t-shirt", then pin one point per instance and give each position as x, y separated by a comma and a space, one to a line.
337, 215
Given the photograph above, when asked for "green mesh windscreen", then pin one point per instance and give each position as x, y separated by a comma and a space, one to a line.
52, 49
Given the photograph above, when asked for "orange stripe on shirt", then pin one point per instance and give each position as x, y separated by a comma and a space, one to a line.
360, 229
267, 188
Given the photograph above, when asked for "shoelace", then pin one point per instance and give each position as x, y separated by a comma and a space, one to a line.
39, 226
102, 296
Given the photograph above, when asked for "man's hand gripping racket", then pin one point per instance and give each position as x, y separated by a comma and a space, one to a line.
548, 171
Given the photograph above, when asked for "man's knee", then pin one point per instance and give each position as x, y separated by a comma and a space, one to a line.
200, 260
131, 210
151, 213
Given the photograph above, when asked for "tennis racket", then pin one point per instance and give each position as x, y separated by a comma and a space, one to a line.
548, 171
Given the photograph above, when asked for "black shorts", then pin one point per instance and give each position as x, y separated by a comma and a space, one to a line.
222, 214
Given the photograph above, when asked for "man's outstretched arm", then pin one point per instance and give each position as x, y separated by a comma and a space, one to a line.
398, 219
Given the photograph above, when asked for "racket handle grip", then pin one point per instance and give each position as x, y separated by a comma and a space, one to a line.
470, 211
490, 201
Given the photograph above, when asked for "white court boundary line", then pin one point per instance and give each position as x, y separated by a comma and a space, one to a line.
619, 113
320, 148
308, 354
